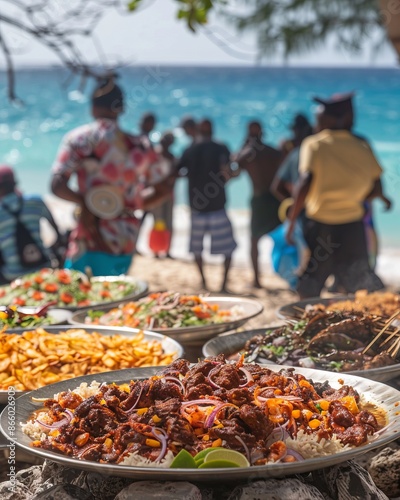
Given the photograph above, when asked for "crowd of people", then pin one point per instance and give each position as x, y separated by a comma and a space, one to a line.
312, 195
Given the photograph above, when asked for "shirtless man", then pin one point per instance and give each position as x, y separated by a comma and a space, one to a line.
261, 163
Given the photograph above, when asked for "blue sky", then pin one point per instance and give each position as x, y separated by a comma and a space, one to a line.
153, 35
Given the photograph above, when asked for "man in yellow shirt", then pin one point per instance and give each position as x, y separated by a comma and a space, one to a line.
338, 172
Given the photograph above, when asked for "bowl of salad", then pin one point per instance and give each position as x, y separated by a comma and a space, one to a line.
185, 317
70, 289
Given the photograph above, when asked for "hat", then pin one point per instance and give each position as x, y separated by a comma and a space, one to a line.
299, 121
6, 175
336, 105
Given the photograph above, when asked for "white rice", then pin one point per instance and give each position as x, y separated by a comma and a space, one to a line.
309, 446
137, 461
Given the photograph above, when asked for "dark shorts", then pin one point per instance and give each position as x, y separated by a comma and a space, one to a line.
341, 250
264, 214
218, 225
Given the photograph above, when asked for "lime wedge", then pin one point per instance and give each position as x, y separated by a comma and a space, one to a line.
218, 464
199, 458
227, 455
183, 460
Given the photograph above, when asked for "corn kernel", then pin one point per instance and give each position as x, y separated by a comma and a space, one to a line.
324, 404
141, 411
156, 419
153, 443
314, 423
206, 437
108, 443
216, 443
296, 413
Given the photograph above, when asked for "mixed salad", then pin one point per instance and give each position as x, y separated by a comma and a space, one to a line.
11, 317
163, 310
64, 287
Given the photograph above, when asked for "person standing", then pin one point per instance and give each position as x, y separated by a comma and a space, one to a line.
261, 162
301, 129
164, 212
338, 172
207, 168
112, 169
29, 210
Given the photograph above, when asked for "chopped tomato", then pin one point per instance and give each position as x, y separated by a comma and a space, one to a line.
106, 294
84, 287
200, 313
37, 295
64, 277
66, 297
27, 284
38, 279
2, 293
84, 302
19, 301
50, 287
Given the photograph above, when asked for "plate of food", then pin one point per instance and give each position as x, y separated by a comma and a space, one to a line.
70, 289
188, 318
46, 355
382, 304
337, 344
14, 317
206, 422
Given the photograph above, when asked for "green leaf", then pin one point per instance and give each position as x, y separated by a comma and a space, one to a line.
133, 5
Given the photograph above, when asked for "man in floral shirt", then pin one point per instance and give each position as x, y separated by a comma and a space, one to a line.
101, 154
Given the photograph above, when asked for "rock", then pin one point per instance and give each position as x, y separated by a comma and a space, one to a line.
385, 471
65, 492
277, 489
347, 481
154, 490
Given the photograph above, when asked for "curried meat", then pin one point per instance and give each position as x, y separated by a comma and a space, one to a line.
334, 394
340, 415
179, 366
256, 420
199, 390
100, 420
355, 435
84, 408
226, 376
367, 418
239, 396
69, 400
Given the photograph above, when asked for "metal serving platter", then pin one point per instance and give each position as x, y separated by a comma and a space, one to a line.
232, 343
294, 310
251, 308
169, 345
384, 396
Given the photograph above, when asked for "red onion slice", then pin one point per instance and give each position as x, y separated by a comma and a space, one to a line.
176, 380
56, 425
249, 376
162, 437
246, 449
295, 454
210, 419
133, 407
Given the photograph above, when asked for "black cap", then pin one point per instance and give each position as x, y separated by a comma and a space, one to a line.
107, 94
336, 105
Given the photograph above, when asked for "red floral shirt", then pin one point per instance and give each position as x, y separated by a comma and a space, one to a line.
101, 154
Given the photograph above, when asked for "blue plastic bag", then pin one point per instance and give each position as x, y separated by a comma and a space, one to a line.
286, 258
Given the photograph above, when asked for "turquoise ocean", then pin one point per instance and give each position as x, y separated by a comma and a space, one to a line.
30, 134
